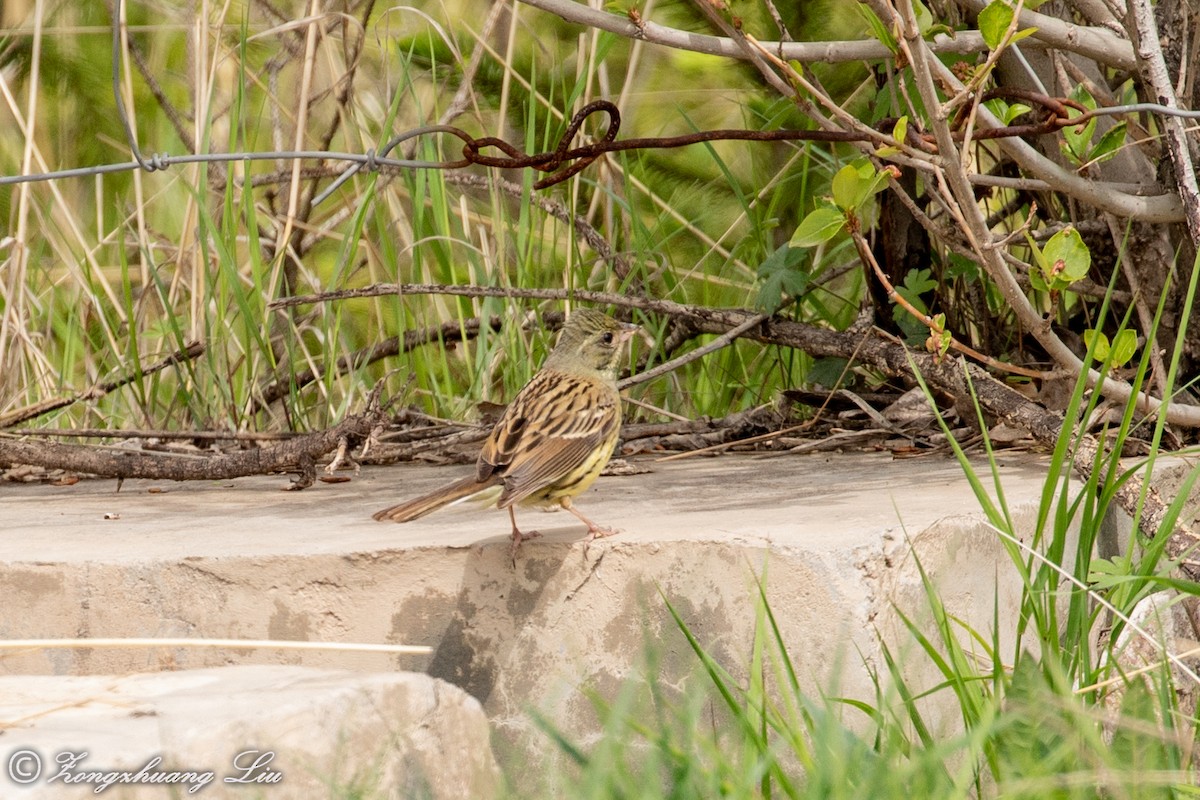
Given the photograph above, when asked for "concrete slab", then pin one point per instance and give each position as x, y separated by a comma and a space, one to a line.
287, 733
241, 559
818, 502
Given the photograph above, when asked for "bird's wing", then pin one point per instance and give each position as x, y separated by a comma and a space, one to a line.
551, 428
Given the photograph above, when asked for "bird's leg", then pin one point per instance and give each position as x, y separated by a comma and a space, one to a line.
594, 531
517, 536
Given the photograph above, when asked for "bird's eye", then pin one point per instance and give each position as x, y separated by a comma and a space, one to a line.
607, 338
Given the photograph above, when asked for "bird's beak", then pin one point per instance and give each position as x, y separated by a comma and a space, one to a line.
629, 330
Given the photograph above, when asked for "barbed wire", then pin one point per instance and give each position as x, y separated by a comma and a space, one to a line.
564, 160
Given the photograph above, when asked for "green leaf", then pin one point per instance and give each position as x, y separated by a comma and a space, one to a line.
918, 282
1014, 111
878, 29
900, 129
1077, 140
944, 345
782, 276
1037, 280
856, 182
1109, 143
821, 225
1022, 34
925, 19
993, 23
1004, 112
939, 341
1066, 258
1124, 345
1037, 252
846, 186
1097, 342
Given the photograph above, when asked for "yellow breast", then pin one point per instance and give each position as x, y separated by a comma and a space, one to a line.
578, 480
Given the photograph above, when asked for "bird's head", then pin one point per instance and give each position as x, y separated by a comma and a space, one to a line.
591, 342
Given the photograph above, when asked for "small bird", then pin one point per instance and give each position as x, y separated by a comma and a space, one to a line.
554, 438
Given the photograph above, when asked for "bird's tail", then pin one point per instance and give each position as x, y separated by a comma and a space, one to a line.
438, 498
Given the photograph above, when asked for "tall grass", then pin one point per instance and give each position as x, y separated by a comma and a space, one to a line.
106, 275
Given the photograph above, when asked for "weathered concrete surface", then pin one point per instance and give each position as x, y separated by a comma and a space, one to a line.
279, 732
243, 559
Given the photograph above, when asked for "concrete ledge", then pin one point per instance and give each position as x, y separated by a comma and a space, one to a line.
241, 559
243, 732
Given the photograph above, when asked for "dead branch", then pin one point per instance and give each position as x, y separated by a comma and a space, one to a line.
296, 455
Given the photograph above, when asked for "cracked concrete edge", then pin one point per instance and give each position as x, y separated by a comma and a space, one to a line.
375, 734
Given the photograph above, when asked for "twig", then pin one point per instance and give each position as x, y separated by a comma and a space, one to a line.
724, 340
935, 329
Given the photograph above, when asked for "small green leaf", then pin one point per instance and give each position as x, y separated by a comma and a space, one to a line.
1067, 256
1004, 112
878, 29
900, 129
821, 225
1124, 345
1037, 252
1037, 281
856, 182
1014, 111
846, 186
1109, 143
939, 339
918, 282
938, 343
993, 23
1097, 342
1077, 140
947, 340
782, 277
925, 19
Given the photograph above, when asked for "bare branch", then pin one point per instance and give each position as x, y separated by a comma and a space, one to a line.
1097, 43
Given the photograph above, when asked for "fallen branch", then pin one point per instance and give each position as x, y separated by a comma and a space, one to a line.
297, 455
726, 318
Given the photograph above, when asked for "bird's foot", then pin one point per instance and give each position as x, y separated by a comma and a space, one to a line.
517, 538
597, 532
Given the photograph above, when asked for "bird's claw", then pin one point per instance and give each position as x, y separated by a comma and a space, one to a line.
596, 532
517, 538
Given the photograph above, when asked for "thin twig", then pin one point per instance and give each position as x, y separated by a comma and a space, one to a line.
724, 340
